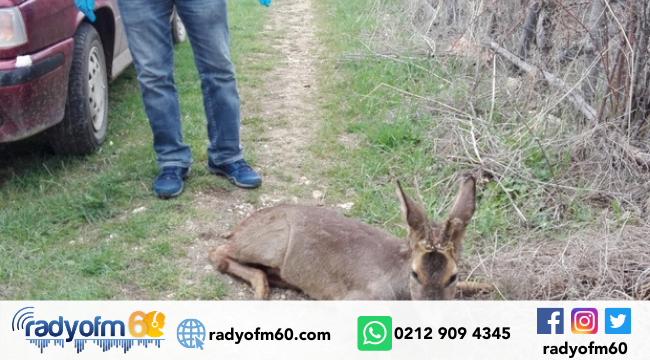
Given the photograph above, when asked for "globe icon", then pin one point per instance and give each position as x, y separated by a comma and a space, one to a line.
188, 331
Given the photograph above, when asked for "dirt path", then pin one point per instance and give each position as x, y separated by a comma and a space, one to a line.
289, 118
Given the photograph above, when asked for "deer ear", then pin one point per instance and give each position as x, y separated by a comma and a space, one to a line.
461, 212
415, 217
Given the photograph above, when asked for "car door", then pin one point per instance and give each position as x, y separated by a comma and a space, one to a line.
122, 58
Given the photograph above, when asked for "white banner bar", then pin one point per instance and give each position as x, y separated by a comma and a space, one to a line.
324, 330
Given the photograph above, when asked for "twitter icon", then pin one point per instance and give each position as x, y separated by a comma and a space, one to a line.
618, 321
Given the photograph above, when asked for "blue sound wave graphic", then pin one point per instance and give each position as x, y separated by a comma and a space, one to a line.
105, 344
16, 325
44, 343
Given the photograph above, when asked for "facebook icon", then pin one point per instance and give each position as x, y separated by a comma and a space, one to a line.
550, 321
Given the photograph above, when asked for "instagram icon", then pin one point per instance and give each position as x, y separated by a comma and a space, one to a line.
584, 321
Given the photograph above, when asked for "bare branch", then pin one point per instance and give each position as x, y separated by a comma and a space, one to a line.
578, 101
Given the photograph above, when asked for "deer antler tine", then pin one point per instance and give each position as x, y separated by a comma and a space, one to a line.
428, 246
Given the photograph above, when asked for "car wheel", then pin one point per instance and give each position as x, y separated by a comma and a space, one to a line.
178, 29
83, 128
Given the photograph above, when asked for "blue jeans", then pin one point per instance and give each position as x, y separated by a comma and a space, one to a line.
148, 32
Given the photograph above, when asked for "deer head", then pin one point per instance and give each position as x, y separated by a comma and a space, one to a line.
436, 248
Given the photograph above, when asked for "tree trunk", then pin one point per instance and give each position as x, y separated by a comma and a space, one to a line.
595, 26
528, 30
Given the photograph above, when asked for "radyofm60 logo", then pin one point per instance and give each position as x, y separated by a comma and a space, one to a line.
104, 333
151, 324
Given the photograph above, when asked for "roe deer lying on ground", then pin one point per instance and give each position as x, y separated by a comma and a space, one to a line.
331, 257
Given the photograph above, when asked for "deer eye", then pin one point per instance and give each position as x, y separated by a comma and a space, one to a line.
452, 279
415, 277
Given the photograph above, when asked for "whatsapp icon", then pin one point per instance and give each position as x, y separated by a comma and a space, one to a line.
375, 333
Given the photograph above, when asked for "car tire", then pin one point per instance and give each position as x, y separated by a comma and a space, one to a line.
83, 128
178, 29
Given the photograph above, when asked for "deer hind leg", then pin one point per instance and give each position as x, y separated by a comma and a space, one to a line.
256, 277
273, 275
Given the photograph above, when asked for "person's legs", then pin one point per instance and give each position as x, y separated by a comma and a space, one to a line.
148, 30
206, 23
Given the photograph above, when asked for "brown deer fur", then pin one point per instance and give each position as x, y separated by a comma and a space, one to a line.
331, 257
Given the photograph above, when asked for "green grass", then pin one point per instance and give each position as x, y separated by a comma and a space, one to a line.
67, 225
395, 138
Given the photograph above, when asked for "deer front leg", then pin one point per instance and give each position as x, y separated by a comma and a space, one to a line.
256, 277
473, 287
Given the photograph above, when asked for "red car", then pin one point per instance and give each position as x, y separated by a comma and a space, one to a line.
55, 67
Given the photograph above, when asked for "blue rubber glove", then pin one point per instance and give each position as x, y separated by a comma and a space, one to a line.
87, 6
265, 2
